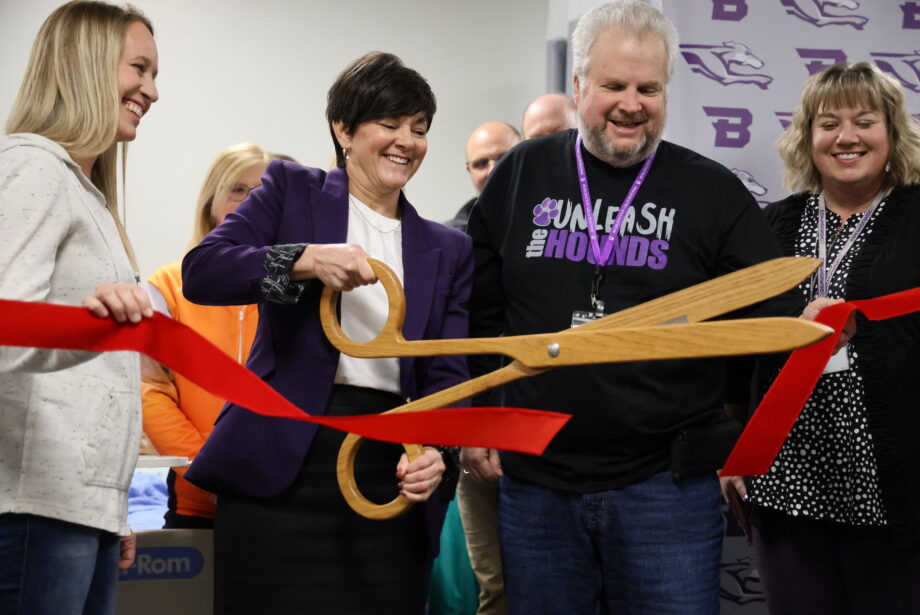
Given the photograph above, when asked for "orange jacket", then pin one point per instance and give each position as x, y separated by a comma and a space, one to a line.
178, 414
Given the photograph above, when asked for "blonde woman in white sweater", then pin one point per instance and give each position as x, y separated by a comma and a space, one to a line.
70, 422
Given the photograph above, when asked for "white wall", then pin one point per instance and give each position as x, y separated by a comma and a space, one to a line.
238, 70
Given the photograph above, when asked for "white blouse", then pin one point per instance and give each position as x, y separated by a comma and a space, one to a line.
364, 309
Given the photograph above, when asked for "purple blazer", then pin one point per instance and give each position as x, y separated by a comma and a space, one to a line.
254, 455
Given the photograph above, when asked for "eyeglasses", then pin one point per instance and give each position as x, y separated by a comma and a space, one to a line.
482, 163
239, 192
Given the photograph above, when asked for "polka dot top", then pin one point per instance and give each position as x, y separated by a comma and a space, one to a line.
827, 468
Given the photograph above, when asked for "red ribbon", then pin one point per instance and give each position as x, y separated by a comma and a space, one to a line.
43, 325
772, 421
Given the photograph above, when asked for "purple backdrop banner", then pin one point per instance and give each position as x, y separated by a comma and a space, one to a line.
742, 65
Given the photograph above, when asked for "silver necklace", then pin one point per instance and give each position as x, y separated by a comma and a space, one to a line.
357, 207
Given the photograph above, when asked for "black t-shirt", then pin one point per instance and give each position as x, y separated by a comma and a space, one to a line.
691, 221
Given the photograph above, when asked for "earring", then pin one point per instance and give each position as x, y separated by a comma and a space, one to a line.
345, 151
888, 167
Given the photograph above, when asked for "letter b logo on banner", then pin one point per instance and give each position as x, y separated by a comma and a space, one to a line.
732, 127
911, 15
729, 10
821, 58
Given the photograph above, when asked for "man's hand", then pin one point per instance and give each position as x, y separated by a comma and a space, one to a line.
481, 463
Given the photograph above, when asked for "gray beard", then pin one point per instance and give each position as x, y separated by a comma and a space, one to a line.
597, 143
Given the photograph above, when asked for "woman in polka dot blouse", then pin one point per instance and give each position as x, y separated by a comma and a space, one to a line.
836, 519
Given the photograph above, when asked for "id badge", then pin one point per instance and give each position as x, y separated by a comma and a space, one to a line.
580, 317
839, 362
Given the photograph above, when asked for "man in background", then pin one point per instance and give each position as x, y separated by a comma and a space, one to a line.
547, 115
478, 500
485, 146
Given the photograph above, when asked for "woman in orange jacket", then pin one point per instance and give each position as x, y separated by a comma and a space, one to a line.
179, 415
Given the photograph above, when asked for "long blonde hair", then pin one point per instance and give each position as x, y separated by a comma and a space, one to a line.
69, 93
850, 85
224, 171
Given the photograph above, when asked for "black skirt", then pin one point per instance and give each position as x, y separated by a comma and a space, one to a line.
305, 551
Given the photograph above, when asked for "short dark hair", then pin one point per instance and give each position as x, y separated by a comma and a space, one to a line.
376, 85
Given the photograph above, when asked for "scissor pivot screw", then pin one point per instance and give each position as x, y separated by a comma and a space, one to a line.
553, 350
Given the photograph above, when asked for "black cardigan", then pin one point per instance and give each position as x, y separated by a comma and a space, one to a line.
889, 350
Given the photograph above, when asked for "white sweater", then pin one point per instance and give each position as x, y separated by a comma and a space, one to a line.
69, 421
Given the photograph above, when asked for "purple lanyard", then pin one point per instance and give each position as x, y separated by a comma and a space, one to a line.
586, 200
825, 274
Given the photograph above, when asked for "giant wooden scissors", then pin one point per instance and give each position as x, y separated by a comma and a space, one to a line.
634, 334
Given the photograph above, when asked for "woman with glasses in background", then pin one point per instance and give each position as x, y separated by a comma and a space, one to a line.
178, 414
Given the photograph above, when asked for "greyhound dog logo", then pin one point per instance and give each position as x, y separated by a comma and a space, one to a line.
905, 67
753, 186
741, 582
749, 182
720, 63
821, 14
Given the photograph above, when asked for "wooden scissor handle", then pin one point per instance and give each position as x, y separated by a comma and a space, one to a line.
392, 329
345, 473
390, 335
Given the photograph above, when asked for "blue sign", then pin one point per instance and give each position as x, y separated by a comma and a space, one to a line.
154, 563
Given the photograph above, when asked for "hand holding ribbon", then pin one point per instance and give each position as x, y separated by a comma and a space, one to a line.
43, 325
773, 420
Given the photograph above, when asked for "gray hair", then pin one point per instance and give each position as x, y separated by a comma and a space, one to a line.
633, 16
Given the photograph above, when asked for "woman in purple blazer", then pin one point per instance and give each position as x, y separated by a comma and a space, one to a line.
284, 539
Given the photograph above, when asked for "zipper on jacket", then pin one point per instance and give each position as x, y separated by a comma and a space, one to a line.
239, 341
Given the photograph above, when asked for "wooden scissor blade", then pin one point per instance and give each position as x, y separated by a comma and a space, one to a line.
681, 341
714, 297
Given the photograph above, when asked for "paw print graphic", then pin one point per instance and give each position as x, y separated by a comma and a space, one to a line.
545, 211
